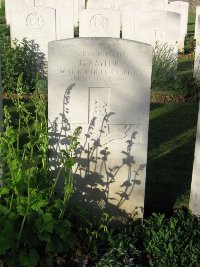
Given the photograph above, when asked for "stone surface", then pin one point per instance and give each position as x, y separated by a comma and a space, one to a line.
1, 92
8, 11
142, 4
182, 8
195, 186
96, 4
1, 119
151, 26
99, 23
78, 5
197, 52
196, 20
64, 16
102, 85
35, 23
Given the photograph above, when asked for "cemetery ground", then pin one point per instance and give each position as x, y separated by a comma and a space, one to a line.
39, 228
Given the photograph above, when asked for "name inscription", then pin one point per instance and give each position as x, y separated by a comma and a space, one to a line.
98, 67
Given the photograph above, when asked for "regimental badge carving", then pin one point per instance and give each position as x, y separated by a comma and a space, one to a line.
39, 3
34, 21
99, 23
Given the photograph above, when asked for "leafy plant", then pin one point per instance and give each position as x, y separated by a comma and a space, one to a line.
158, 241
164, 67
189, 45
30, 206
25, 57
174, 241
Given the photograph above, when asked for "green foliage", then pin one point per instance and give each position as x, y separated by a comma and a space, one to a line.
189, 45
159, 241
164, 67
190, 86
25, 57
174, 241
29, 205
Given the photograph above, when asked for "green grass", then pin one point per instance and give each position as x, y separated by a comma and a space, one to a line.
185, 66
191, 22
172, 135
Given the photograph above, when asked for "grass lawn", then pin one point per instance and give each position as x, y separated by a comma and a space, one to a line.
191, 22
172, 135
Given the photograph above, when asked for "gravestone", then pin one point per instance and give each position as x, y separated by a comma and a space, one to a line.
8, 7
64, 16
1, 119
78, 5
181, 8
35, 23
102, 85
151, 27
1, 92
196, 20
142, 4
96, 4
99, 23
197, 52
195, 185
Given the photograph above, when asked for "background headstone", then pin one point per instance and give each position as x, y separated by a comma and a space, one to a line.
196, 21
78, 5
8, 6
99, 23
182, 8
102, 85
1, 117
151, 27
64, 16
96, 4
35, 23
142, 4
195, 185
1, 92
197, 52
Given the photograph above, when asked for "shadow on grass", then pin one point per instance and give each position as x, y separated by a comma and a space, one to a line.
170, 156
186, 65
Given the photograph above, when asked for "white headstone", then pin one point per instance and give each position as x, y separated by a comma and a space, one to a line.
8, 6
142, 4
64, 16
78, 5
197, 52
99, 23
195, 186
102, 85
151, 26
96, 4
196, 20
35, 23
181, 8
1, 92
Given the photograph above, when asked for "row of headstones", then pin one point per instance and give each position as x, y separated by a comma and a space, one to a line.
103, 85
48, 20
89, 75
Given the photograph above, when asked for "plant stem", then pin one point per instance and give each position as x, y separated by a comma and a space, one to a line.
25, 216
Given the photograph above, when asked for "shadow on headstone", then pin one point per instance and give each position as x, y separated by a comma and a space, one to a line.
92, 177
